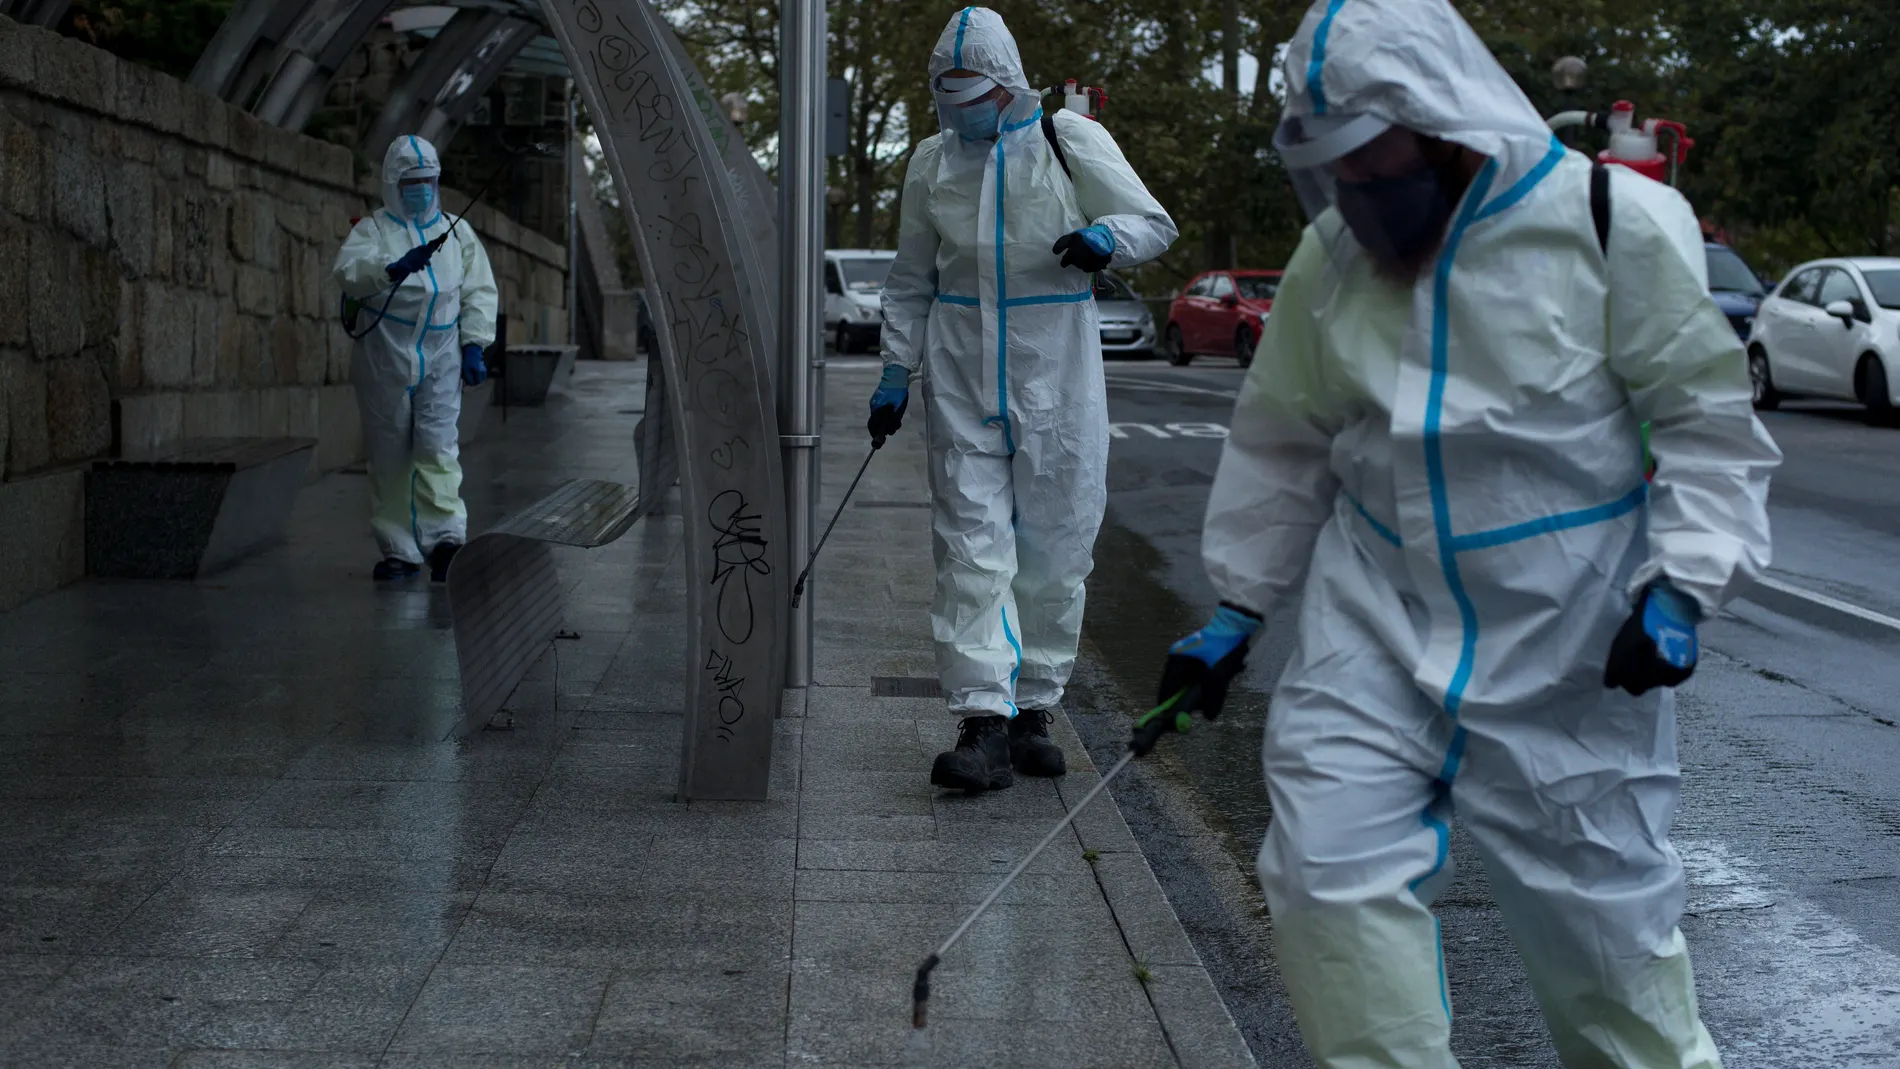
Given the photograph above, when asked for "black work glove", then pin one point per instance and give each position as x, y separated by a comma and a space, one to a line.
885, 420
1204, 663
1088, 249
1656, 646
410, 262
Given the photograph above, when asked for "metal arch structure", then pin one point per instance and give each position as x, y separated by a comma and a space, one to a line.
278, 57
45, 13
239, 57
317, 46
449, 78
717, 348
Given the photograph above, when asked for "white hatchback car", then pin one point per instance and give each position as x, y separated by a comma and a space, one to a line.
1831, 329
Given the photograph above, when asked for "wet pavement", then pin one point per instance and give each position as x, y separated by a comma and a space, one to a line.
1790, 817
246, 827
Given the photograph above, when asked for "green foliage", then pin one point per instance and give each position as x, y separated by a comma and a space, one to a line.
166, 35
1790, 103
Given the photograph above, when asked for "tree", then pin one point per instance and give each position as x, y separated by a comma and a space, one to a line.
166, 35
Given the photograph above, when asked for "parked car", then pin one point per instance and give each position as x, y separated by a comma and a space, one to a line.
1220, 312
854, 291
1832, 329
1737, 290
1128, 327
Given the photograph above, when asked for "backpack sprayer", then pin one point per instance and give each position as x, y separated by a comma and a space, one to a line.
1082, 99
1632, 145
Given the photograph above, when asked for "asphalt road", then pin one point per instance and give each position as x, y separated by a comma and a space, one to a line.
1790, 742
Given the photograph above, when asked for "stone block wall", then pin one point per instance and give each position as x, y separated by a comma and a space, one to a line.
165, 273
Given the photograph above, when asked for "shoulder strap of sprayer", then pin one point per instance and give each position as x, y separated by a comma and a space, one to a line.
1600, 204
1055, 143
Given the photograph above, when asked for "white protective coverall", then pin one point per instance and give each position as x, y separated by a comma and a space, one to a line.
1009, 349
408, 368
1451, 472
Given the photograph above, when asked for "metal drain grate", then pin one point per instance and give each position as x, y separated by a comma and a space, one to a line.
905, 687
893, 504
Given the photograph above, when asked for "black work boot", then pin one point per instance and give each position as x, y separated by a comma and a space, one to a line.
981, 760
440, 558
392, 568
1031, 750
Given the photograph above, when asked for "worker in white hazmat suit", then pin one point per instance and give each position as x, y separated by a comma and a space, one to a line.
411, 364
1438, 447
990, 302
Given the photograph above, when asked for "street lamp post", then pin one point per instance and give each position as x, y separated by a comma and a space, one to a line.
801, 186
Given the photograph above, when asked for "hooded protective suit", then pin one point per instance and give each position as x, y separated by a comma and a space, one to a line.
1009, 348
407, 370
1460, 464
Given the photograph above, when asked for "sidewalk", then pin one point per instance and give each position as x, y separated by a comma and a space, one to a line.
244, 833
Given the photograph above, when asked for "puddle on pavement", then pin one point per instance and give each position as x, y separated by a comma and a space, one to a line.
1132, 618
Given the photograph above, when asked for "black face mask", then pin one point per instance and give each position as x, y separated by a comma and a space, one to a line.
1399, 221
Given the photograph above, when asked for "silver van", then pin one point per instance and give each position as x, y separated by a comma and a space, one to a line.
854, 291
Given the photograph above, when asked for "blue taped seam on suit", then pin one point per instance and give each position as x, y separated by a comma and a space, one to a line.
1434, 450
1523, 186
415, 525
1563, 521
1053, 298
1018, 302
1017, 671
400, 321
1026, 123
435, 291
1378, 528
1441, 521
1316, 66
1002, 308
962, 25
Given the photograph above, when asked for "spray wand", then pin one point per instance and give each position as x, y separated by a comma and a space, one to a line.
1147, 731
798, 588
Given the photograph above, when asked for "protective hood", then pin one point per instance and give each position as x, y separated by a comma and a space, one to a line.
976, 40
409, 157
1411, 63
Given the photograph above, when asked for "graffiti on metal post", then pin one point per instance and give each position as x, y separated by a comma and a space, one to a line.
741, 555
665, 151
731, 694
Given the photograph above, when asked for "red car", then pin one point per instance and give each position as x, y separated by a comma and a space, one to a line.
1219, 313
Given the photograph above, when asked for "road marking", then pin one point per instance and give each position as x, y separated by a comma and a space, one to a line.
1169, 430
1814, 984
1827, 602
1168, 387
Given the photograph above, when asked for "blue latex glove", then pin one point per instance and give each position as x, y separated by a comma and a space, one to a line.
1656, 646
1088, 248
412, 261
1205, 662
474, 372
888, 403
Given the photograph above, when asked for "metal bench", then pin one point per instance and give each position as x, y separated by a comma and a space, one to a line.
505, 592
203, 505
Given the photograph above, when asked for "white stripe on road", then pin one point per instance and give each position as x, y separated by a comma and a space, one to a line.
1827, 602
1794, 985
1168, 387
